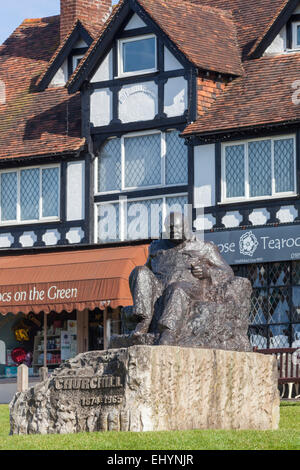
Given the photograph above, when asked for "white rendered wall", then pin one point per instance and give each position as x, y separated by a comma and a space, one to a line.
61, 76
105, 70
204, 176
138, 102
278, 45
80, 43
6, 240
176, 90
75, 191
171, 63
135, 22
101, 107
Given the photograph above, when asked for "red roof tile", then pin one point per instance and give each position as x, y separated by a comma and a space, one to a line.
262, 97
207, 36
34, 123
194, 29
253, 18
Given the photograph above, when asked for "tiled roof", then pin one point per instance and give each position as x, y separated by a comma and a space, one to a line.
83, 63
193, 28
207, 36
263, 96
33, 123
253, 18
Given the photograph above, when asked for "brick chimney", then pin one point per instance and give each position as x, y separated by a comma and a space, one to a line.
91, 12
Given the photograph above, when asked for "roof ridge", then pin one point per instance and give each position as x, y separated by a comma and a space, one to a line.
33, 20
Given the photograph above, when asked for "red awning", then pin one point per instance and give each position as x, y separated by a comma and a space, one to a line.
68, 280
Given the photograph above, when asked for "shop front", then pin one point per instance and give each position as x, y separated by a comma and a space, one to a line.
55, 304
270, 258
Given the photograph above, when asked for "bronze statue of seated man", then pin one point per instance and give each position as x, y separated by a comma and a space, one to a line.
187, 294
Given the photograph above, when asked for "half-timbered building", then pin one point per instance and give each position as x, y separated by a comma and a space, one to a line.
111, 117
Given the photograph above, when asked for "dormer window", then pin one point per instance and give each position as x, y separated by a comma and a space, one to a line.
296, 35
137, 55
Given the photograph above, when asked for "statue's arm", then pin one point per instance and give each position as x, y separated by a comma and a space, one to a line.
212, 266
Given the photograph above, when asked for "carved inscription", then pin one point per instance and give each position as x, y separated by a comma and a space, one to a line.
88, 383
102, 400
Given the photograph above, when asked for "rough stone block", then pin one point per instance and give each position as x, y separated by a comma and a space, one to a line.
152, 388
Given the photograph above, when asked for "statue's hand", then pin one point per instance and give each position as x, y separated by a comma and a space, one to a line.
199, 271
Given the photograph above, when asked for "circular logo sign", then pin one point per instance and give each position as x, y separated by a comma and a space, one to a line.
248, 244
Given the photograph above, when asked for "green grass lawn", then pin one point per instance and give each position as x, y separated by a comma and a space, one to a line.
287, 437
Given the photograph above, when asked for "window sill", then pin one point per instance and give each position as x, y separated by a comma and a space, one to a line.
123, 192
135, 74
277, 197
30, 222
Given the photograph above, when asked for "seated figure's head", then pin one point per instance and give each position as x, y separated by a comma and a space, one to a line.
176, 225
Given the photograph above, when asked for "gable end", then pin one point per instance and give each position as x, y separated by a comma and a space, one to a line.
282, 19
78, 33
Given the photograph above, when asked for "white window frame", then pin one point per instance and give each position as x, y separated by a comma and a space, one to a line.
247, 197
123, 203
74, 59
121, 42
138, 188
19, 221
295, 25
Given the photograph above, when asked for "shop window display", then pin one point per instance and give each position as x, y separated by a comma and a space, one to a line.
17, 333
23, 340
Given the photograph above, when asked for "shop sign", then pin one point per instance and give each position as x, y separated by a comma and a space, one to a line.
34, 294
269, 244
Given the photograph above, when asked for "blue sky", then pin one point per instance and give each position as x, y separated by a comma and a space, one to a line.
13, 12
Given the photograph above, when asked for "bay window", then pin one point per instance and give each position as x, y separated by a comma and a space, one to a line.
139, 161
261, 168
29, 194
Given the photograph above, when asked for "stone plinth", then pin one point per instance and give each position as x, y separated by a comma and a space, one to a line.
152, 388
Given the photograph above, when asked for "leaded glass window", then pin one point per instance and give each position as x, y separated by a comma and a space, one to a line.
176, 159
50, 192
108, 222
274, 320
109, 166
142, 161
284, 165
260, 168
9, 196
30, 194
144, 219
136, 219
235, 171
176, 204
